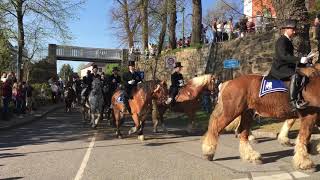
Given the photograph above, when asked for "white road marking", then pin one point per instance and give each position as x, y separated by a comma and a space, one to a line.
85, 159
281, 176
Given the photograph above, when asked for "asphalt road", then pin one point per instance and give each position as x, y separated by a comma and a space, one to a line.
60, 146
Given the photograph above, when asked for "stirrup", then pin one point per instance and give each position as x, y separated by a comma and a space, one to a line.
301, 104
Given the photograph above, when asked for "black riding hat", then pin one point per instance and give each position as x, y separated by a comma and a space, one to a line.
115, 69
289, 23
178, 64
131, 63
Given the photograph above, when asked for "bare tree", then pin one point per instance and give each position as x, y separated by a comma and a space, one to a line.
126, 18
52, 16
172, 9
196, 22
145, 24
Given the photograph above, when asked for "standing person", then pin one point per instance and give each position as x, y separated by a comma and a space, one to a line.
317, 29
259, 22
177, 82
214, 30
243, 26
114, 80
228, 27
285, 64
3, 77
131, 80
219, 31
18, 97
6, 97
29, 101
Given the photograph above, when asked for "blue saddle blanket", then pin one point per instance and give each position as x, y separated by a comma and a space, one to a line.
120, 98
271, 85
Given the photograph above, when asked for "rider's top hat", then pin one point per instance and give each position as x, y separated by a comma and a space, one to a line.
115, 69
178, 64
289, 23
131, 63
95, 67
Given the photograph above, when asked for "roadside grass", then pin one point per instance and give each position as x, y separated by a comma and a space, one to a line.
202, 119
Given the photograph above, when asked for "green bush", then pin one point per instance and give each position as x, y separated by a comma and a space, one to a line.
38, 99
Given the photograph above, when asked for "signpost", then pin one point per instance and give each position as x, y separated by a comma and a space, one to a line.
231, 64
170, 61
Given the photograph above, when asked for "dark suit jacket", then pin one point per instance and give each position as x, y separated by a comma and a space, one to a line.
175, 77
128, 76
113, 85
284, 62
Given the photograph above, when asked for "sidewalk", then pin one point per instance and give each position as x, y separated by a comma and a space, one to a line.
27, 118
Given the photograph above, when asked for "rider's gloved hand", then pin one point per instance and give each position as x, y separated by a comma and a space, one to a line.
131, 82
304, 60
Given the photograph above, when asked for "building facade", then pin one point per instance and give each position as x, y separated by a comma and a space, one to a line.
252, 7
89, 66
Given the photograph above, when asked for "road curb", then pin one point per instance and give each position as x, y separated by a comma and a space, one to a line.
32, 119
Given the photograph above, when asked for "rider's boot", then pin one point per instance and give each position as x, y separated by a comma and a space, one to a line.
126, 105
297, 102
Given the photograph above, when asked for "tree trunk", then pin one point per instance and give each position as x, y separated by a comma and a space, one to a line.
295, 9
196, 22
145, 31
127, 23
163, 27
172, 24
20, 37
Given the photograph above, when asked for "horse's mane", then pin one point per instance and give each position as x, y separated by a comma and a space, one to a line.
200, 80
148, 86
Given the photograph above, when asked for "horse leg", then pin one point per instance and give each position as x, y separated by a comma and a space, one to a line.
283, 135
301, 159
140, 134
116, 118
137, 126
155, 117
247, 153
218, 121
191, 125
164, 128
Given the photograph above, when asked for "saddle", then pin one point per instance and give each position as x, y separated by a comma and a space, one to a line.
270, 84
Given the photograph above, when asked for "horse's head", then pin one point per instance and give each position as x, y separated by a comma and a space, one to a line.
213, 83
160, 91
96, 83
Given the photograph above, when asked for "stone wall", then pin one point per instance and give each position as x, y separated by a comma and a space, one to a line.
255, 53
194, 62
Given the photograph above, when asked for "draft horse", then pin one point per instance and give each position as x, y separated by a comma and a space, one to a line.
141, 105
187, 100
241, 97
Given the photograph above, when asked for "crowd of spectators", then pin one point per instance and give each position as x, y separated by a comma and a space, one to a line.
19, 94
223, 30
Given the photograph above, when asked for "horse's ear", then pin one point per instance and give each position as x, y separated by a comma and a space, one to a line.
163, 82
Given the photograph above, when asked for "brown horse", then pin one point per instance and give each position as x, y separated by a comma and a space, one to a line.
187, 100
240, 97
141, 105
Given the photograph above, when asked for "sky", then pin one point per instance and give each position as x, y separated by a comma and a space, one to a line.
93, 28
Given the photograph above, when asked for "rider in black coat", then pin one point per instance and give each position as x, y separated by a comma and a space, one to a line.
131, 80
176, 82
285, 63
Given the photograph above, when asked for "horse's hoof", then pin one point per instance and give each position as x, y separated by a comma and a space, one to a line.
287, 144
257, 161
141, 137
209, 157
155, 131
